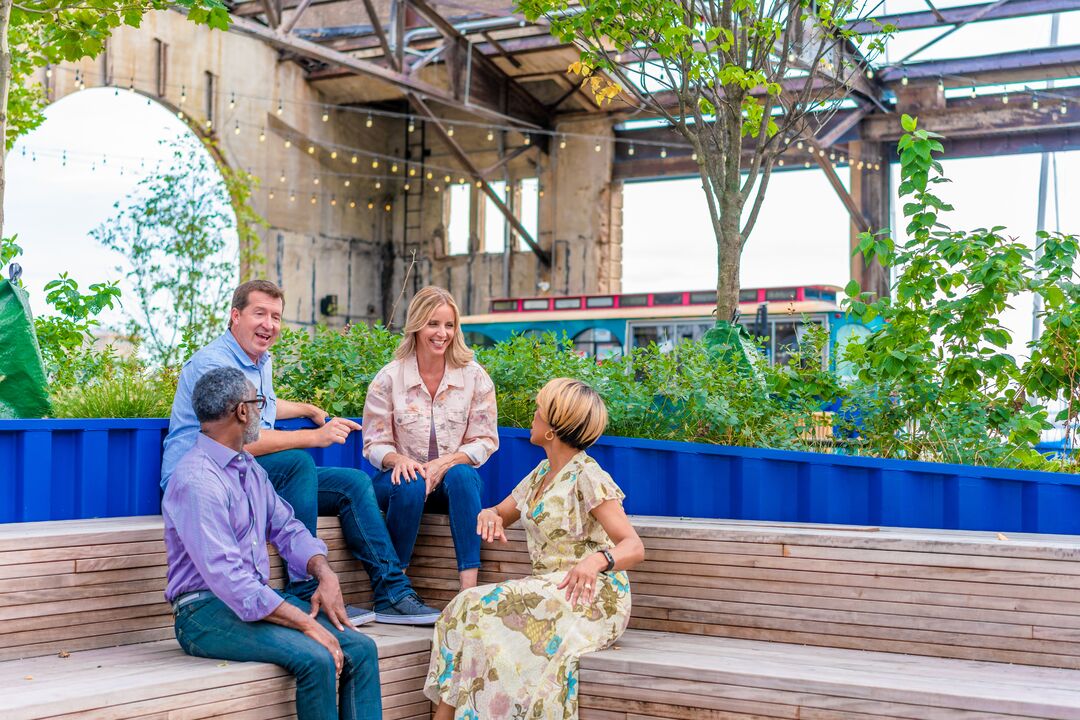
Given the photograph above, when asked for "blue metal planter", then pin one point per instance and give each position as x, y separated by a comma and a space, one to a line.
65, 469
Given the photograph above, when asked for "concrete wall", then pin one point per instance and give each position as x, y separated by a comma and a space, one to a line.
362, 255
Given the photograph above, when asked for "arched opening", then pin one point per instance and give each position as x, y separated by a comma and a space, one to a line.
113, 186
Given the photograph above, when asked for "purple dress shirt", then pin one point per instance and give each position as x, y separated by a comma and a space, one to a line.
220, 510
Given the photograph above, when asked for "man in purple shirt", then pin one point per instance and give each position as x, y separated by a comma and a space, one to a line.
220, 510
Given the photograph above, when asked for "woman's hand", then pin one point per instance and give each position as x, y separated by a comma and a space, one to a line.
580, 583
405, 468
489, 526
435, 470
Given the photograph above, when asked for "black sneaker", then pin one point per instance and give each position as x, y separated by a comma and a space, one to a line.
359, 616
409, 610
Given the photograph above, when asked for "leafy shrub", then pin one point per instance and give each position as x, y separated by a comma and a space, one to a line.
124, 389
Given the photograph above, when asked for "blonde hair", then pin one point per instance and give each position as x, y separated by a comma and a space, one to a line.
576, 413
421, 308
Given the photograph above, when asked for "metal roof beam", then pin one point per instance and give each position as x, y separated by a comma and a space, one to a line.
964, 14
999, 68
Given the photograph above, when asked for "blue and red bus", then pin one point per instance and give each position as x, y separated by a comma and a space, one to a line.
610, 325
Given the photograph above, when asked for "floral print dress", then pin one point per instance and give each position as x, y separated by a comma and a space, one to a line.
511, 650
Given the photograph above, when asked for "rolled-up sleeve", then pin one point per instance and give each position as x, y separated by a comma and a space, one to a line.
198, 505
482, 432
379, 438
294, 543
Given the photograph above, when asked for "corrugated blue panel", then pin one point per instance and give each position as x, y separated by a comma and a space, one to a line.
62, 469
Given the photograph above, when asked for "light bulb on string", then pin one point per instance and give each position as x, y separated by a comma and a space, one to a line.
598, 147
1034, 102
528, 139
412, 172
806, 164
311, 150
393, 167
437, 188
693, 156
209, 125
1005, 99
870, 73
461, 181
315, 179
333, 200
374, 164
282, 178
562, 142
904, 80
1064, 108
780, 162
630, 150
490, 135
388, 207
354, 160
479, 184
832, 155
370, 205
429, 175
183, 94
663, 152
270, 195
236, 128
446, 178
232, 101
48, 73
787, 141
412, 124
333, 154
450, 131
314, 200
406, 187
348, 182
974, 94
292, 197
288, 143
262, 135
352, 203
325, 116
941, 85
799, 145
370, 121
378, 185
280, 107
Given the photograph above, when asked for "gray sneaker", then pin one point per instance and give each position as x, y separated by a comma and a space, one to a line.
359, 616
409, 610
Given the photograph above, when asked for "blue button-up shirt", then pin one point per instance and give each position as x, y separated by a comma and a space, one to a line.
220, 510
183, 425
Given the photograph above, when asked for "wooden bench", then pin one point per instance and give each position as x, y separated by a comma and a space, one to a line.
730, 620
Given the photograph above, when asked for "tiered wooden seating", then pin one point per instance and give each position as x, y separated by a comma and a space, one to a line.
83, 600
954, 594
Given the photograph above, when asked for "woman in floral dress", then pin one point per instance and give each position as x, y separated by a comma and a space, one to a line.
511, 650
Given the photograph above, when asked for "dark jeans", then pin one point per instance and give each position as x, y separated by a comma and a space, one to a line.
347, 493
208, 628
404, 505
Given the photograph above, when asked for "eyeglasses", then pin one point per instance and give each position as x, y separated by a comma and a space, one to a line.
259, 400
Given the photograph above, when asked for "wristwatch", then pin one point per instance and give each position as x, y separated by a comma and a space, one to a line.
610, 560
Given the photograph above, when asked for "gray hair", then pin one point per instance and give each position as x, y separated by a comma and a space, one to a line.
218, 392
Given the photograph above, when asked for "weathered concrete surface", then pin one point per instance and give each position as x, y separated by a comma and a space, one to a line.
358, 254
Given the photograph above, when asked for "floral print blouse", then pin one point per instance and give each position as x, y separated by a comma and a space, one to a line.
399, 411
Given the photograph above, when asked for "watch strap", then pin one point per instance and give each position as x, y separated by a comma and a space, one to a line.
610, 560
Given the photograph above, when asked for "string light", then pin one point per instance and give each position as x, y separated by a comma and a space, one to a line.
832, 155
941, 84
461, 181
597, 147
262, 135
490, 135
333, 154
630, 150
348, 182
1005, 99
288, 142
412, 172
236, 129
870, 73
375, 164
446, 178
270, 195
479, 184
693, 156
1064, 108
378, 185
412, 124
280, 107
388, 207
663, 152
904, 80
799, 145
314, 199
209, 125
393, 167
292, 197
183, 94
973, 93
315, 179
333, 200
406, 187
232, 101
354, 160
1034, 102
429, 175
437, 188
780, 162
450, 131
282, 178
528, 139
48, 73
325, 116
370, 205
370, 121
562, 142
352, 203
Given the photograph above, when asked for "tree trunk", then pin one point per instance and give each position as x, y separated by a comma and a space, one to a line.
5, 89
728, 256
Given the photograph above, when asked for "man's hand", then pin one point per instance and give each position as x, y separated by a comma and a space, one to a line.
321, 635
335, 431
328, 595
315, 413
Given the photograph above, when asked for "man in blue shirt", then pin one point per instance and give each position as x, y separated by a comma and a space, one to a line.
254, 327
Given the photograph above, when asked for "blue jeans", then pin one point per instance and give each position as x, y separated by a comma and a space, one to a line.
347, 493
404, 506
208, 628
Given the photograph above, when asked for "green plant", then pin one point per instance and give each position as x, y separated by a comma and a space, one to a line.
938, 383
122, 388
172, 232
66, 338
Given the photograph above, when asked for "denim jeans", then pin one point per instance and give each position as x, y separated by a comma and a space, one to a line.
347, 493
208, 628
404, 506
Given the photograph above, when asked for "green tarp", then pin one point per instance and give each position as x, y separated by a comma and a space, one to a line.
23, 392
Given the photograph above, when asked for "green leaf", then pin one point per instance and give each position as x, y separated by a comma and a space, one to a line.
908, 123
852, 289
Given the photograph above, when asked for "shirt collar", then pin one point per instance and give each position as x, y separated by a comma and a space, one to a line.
230, 342
452, 376
221, 455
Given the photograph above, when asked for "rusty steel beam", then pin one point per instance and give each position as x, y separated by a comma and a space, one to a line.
858, 220
965, 14
297, 14
391, 59
997, 68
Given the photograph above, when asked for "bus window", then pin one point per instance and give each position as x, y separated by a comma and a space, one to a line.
598, 342
785, 341
476, 339
659, 333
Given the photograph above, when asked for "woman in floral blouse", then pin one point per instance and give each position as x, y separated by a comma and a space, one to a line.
429, 422
511, 650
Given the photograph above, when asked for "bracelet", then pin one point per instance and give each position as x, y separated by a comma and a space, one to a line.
610, 560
